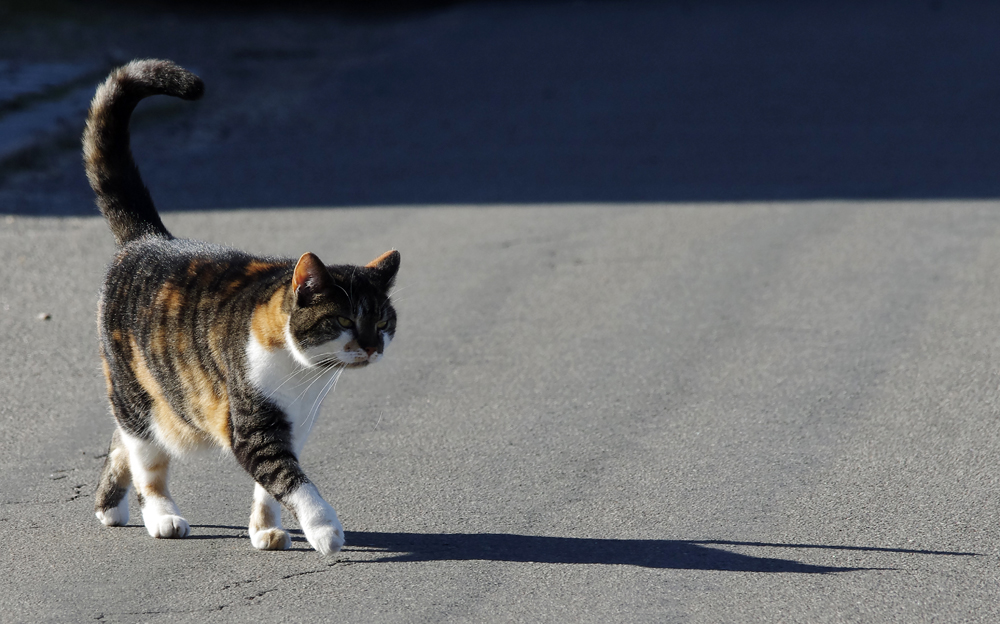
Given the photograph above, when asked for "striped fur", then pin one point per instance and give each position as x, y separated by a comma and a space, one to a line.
207, 346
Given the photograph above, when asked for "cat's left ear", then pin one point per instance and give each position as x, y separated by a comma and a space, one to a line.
311, 281
385, 268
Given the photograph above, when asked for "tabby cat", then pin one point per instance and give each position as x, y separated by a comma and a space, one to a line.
206, 346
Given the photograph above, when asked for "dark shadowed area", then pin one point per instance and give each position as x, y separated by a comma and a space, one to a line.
558, 102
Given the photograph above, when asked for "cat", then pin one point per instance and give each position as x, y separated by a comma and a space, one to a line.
208, 346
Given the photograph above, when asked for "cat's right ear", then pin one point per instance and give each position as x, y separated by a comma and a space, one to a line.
311, 281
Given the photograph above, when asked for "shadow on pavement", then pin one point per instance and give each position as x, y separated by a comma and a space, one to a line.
673, 554
668, 554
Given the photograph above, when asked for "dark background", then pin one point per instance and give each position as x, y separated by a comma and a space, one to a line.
440, 103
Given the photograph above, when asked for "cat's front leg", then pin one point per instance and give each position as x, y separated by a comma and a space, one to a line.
318, 519
262, 443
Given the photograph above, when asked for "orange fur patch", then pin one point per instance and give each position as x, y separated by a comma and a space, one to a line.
107, 374
173, 430
170, 299
195, 267
233, 287
208, 405
255, 267
269, 321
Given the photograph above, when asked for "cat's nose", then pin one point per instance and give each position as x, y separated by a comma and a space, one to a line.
370, 350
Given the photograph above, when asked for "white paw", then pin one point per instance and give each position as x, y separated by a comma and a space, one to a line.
327, 539
317, 518
116, 516
168, 527
271, 539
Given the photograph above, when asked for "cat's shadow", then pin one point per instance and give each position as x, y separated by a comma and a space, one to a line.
648, 553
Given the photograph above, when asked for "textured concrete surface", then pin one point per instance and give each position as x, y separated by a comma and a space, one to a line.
606, 401
751, 412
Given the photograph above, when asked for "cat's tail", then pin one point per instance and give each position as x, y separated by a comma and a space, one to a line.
121, 195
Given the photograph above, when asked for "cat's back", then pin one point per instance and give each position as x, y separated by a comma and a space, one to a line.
165, 293
185, 273
148, 262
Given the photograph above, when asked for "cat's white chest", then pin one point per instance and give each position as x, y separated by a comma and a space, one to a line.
299, 391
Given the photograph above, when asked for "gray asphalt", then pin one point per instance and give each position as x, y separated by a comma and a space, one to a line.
601, 405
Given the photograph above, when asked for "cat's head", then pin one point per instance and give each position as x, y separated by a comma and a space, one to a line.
341, 315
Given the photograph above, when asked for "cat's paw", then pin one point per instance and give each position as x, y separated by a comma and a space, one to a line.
327, 539
271, 539
168, 527
318, 519
116, 516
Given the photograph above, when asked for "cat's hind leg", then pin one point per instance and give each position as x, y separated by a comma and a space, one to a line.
149, 464
266, 532
111, 498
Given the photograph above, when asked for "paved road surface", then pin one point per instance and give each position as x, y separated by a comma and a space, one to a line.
773, 410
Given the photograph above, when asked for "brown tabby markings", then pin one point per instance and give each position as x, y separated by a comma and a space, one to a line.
208, 407
195, 267
171, 299
212, 412
118, 462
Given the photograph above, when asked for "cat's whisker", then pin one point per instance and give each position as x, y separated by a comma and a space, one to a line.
310, 420
287, 378
315, 377
314, 410
396, 291
311, 375
320, 370
307, 376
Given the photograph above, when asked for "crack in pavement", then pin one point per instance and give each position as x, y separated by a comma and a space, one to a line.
101, 616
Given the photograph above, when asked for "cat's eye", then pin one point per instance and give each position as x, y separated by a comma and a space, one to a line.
382, 324
345, 322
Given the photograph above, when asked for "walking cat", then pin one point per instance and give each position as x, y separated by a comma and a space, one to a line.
204, 345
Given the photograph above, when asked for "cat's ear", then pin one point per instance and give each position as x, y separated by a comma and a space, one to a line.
385, 268
311, 281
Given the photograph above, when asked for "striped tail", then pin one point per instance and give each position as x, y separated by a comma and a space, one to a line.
121, 195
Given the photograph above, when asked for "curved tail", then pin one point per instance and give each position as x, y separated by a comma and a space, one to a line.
121, 196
